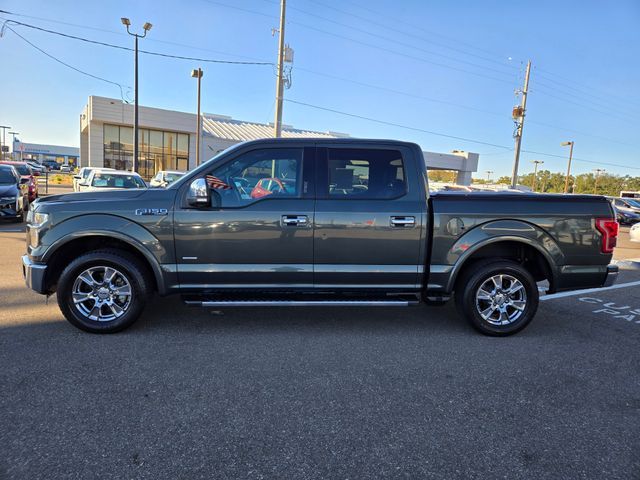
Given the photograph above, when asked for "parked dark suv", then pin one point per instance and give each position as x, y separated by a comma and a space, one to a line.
14, 197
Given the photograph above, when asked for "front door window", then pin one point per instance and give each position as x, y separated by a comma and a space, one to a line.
259, 174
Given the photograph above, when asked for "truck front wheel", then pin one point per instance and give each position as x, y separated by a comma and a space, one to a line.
103, 291
498, 298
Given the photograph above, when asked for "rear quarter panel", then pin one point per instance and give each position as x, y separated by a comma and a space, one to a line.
560, 227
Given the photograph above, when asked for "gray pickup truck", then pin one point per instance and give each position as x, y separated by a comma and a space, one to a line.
308, 222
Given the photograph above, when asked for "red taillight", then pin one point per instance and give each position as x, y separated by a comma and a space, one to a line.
609, 230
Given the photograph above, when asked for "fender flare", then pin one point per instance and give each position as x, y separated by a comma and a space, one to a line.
518, 231
148, 240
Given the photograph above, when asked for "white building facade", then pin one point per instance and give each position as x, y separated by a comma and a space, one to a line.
167, 139
39, 152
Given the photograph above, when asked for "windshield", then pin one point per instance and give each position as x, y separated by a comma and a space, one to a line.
172, 177
6, 177
634, 203
22, 169
106, 180
208, 163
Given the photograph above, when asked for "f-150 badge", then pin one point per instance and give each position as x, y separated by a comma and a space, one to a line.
151, 211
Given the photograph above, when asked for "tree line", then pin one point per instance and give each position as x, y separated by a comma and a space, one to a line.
553, 182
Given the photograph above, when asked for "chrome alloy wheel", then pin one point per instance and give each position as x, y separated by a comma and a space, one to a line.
102, 293
501, 299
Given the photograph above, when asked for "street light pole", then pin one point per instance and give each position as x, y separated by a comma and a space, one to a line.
598, 172
489, 172
2, 143
566, 180
13, 143
535, 173
198, 74
146, 27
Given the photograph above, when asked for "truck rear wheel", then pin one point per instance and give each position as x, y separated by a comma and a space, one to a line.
103, 291
498, 298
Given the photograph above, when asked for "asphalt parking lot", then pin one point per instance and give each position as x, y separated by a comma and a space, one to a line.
320, 393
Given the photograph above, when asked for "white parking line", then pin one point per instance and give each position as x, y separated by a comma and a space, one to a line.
588, 290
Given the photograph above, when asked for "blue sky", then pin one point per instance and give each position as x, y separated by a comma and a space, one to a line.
437, 66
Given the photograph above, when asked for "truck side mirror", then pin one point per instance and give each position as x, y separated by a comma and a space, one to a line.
198, 194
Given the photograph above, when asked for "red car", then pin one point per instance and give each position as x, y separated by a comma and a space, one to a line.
28, 177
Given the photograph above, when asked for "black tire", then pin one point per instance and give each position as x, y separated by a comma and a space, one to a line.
470, 301
130, 272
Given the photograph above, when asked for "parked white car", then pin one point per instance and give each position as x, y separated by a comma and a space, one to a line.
83, 174
111, 180
164, 178
634, 233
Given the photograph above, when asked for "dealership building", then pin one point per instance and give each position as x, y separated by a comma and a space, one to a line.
167, 139
39, 152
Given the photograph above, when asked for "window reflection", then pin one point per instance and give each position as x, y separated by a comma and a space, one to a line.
158, 150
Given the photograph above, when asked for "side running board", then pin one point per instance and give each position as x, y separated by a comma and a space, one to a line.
300, 303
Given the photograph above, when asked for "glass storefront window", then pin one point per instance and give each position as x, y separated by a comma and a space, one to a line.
158, 150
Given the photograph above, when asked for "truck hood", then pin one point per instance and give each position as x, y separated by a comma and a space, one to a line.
121, 194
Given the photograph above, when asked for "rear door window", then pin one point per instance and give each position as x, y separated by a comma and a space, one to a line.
365, 174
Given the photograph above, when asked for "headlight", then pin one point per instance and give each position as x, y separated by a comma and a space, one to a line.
36, 219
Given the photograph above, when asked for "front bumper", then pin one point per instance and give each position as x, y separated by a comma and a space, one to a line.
34, 274
612, 275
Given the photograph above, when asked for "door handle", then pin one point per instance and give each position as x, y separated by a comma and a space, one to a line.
294, 220
403, 221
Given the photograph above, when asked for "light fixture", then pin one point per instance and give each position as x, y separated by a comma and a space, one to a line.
147, 26
125, 21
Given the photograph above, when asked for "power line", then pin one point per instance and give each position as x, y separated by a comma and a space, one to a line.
68, 65
453, 104
439, 134
399, 92
594, 162
576, 86
596, 103
120, 33
403, 22
370, 45
384, 122
401, 54
579, 93
579, 132
393, 40
120, 47
541, 89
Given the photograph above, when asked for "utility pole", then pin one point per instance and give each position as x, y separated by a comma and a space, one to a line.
518, 116
535, 173
566, 180
598, 172
198, 74
2, 142
277, 128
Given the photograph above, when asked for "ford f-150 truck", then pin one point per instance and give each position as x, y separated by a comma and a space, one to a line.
315, 222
